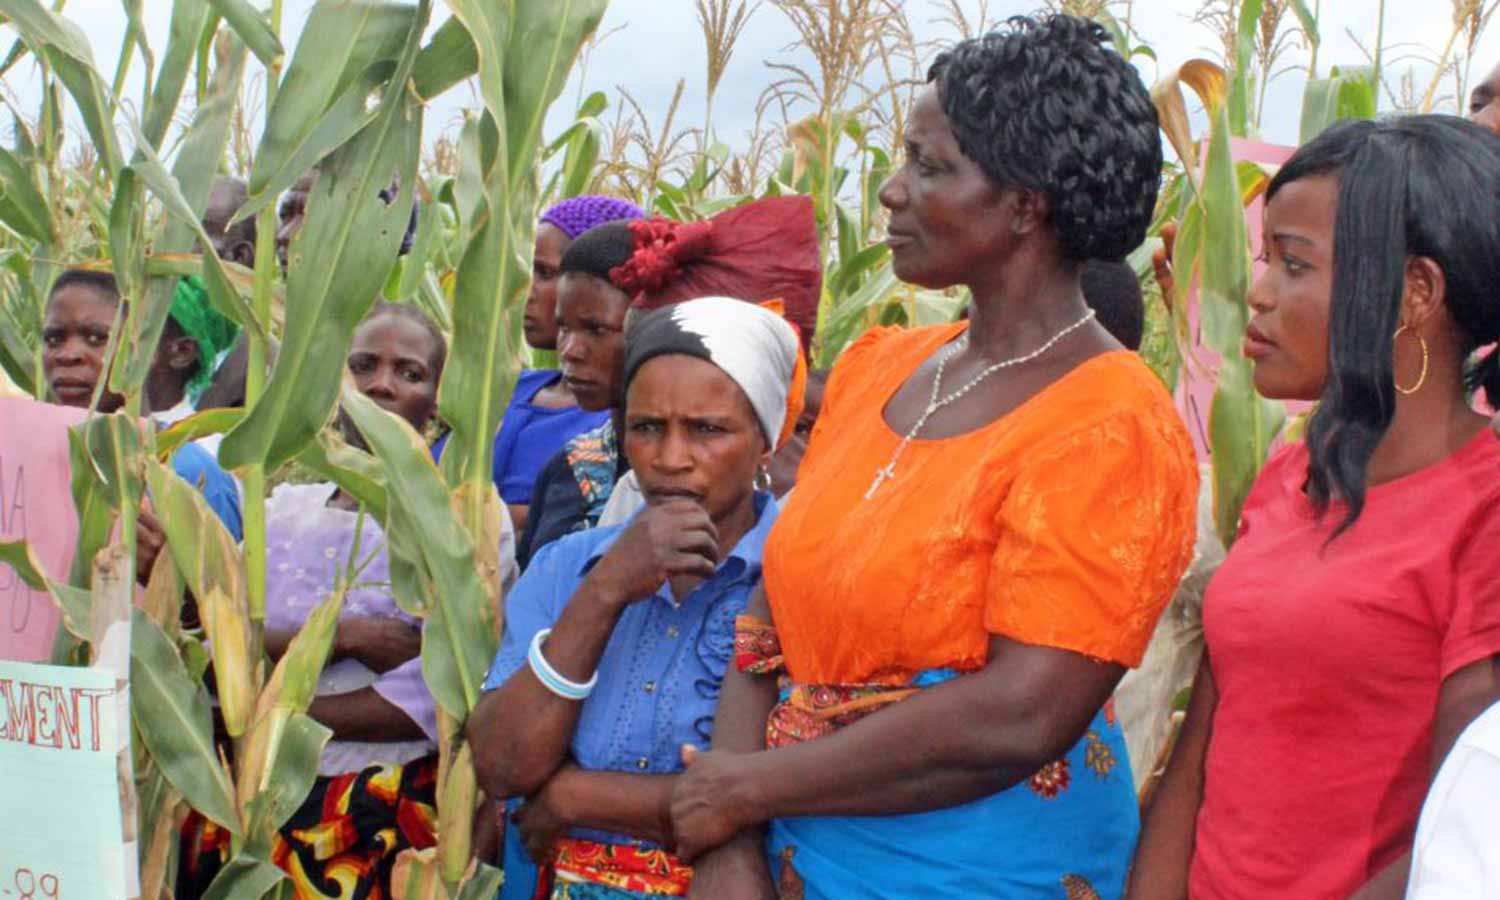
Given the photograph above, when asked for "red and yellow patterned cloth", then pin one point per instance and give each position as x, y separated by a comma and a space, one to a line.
653, 872
341, 843
806, 711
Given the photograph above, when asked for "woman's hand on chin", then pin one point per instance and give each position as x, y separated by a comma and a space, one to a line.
668, 540
712, 801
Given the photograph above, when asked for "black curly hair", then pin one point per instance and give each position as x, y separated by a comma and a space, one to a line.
1046, 104
598, 250
1424, 186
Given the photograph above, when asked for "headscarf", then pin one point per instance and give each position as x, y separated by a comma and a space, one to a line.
205, 326
576, 215
753, 345
765, 250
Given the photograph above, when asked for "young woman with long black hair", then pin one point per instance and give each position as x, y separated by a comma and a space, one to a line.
1354, 629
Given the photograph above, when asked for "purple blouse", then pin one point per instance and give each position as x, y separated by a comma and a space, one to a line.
307, 543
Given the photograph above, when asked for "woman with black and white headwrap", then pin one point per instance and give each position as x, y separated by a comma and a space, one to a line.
616, 638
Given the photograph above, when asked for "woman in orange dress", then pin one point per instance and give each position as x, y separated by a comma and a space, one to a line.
987, 523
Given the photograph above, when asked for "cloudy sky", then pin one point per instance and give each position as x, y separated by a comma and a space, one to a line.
656, 43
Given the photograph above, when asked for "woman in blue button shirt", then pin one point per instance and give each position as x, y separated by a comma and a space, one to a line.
616, 639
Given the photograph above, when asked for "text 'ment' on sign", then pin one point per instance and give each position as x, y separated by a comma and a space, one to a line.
59, 737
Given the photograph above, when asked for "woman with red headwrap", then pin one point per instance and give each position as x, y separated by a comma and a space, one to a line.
762, 251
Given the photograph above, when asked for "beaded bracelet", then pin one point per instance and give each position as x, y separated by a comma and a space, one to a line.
550, 678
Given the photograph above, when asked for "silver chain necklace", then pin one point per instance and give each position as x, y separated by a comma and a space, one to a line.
935, 403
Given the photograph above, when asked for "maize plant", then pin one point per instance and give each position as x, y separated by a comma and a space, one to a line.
348, 101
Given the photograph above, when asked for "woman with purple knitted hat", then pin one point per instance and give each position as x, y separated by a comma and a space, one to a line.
543, 415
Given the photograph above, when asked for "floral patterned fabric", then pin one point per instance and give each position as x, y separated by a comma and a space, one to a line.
1065, 832
1091, 785
630, 871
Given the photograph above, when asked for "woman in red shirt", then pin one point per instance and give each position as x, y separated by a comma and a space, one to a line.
1354, 628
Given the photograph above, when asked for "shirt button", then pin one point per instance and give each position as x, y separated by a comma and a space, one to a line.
671, 631
641, 764
650, 687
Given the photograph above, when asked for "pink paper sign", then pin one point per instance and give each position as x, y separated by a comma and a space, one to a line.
36, 505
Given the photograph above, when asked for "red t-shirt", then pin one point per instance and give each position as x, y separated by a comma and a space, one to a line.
1328, 661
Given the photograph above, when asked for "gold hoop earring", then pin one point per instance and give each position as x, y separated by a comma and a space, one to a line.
1421, 379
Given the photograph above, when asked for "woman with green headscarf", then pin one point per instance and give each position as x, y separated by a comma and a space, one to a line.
195, 338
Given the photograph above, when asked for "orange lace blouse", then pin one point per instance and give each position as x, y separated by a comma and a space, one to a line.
1066, 523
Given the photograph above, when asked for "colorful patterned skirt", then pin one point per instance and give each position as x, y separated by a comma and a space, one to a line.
1066, 833
590, 870
343, 840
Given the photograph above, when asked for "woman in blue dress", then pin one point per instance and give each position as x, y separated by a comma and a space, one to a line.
616, 638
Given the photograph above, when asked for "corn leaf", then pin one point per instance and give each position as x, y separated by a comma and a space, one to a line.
295, 680
67, 51
135, 38
1244, 55
347, 50
489, 273
105, 480
286, 695
172, 717
1241, 423
523, 64
417, 875
291, 774
163, 601
356, 472
145, 311
483, 882
17, 356
1347, 93
74, 603
22, 207
158, 827
205, 554
1211, 83
457, 794
845, 321
1241, 426
1308, 22
251, 25
357, 236
450, 57
194, 427
246, 877
188, 18
1225, 257
203, 145
17, 52
458, 641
